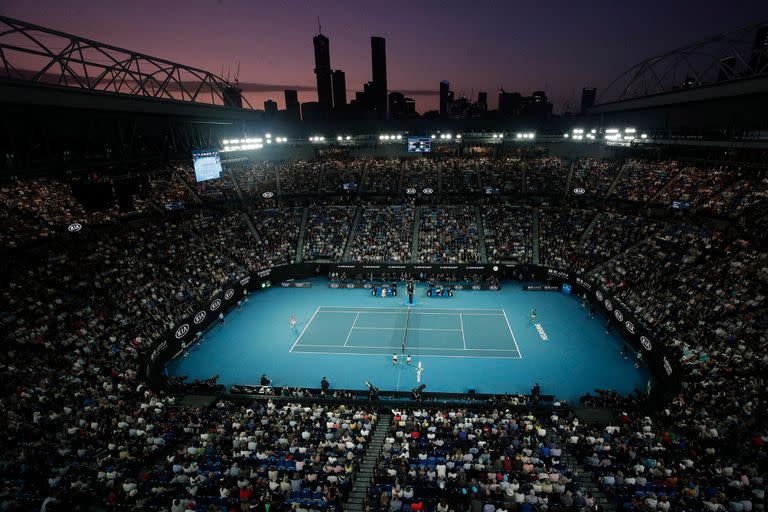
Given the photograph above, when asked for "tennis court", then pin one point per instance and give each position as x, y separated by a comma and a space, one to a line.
440, 332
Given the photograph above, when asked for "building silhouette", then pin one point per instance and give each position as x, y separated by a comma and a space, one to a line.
588, 95
270, 108
482, 101
292, 104
339, 90
444, 94
379, 68
323, 71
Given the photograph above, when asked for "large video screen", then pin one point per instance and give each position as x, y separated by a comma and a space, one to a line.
207, 164
419, 144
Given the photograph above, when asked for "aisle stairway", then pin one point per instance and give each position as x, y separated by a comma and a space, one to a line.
415, 239
582, 476
364, 475
302, 231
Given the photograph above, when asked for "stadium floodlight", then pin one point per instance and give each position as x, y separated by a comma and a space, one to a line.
442, 136
268, 135
448, 136
381, 137
339, 137
643, 136
433, 135
612, 130
593, 131
519, 135
458, 136
501, 135
348, 137
629, 130
399, 137
494, 136
565, 135
322, 139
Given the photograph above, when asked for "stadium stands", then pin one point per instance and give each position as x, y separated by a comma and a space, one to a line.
81, 428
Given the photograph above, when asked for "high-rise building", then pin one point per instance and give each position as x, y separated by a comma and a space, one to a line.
482, 101
339, 90
588, 95
509, 103
758, 61
444, 93
323, 71
396, 105
379, 68
292, 104
270, 106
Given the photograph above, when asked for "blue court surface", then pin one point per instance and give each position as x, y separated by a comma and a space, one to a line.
479, 340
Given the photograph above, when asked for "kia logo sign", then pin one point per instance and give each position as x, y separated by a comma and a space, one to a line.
619, 315
350, 285
493, 287
630, 327
646, 343
229, 293
74, 227
199, 317
410, 191
579, 191
267, 195
215, 305
476, 287
495, 268
599, 295
427, 191
458, 287
182, 331
368, 286
608, 305
334, 285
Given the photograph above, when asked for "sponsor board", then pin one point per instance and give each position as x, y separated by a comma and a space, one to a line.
608, 305
541, 288
410, 191
541, 332
182, 331
428, 191
264, 273
199, 317
579, 191
229, 293
296, 284
74, 227
268, 195
619, 315
646, 343
215, 305
630, 327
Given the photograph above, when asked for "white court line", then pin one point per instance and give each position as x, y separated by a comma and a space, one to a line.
513, 334
390, 354
403, 328
351, 329
463, 338
304, 330
412, 313
324, 308
415, 348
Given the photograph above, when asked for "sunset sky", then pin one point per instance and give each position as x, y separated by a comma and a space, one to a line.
558, 46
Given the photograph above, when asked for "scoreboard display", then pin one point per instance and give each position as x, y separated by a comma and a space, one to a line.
207, 164
419, 144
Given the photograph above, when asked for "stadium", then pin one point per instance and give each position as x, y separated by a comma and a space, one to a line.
207, 307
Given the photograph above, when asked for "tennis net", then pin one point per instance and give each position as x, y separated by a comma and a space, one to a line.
405, 331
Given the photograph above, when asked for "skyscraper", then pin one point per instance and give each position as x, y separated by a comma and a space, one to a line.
444, 92
292, 104
323, 71
588, 95
339, 90
379, 68
482, 101
270, 106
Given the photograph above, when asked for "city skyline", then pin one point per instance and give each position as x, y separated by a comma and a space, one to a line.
519, 47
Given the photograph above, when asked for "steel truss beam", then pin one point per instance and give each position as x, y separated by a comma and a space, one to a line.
38, 55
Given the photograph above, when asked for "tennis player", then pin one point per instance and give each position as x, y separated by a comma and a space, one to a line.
533, 314
292, 321
394, 359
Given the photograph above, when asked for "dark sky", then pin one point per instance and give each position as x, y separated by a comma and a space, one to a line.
558, 46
